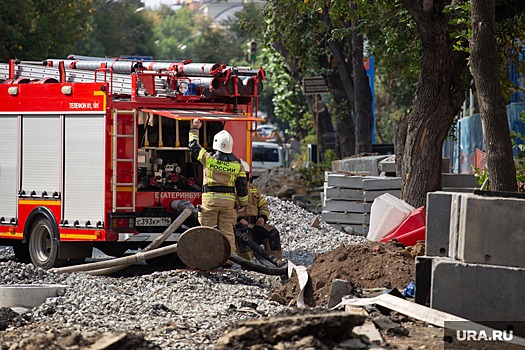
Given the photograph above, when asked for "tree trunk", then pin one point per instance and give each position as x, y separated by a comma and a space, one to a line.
341, 111
324, 129
485, 69
362, 93
401, 138
438, 98
343, 123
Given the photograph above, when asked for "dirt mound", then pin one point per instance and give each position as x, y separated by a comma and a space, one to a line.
367, 265
281, 182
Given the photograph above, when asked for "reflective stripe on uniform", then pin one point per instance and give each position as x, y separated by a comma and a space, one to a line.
194, 136
201, 153
264, 212
218, 195
261, 202
243, 199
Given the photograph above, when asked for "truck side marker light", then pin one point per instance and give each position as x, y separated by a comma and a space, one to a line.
67, 90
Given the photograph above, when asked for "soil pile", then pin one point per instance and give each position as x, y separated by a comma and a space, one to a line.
281, 182
368, 265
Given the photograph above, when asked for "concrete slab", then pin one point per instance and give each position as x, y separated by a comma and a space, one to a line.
347, 206
438, 223
388, 165
478, 292
360, 230
363, 182
364, 165
455, 218
492, 230
331, 192
459, 180
345, 218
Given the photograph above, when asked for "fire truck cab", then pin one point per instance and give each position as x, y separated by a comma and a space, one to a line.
95, 151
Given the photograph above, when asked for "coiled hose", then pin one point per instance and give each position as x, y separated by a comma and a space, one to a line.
280, 267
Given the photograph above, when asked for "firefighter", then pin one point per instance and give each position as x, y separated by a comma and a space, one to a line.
224, 182
255, 218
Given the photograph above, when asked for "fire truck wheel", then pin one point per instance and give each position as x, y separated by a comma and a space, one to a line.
43, 246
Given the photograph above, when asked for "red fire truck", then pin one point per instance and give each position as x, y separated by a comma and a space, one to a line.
95, 150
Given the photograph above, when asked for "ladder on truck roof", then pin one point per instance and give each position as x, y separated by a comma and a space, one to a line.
119, 83
184, 80
119, 123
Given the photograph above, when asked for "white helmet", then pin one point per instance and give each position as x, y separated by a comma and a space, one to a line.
223, 142
245, 166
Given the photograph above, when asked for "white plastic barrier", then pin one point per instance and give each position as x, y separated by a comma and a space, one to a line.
387, 213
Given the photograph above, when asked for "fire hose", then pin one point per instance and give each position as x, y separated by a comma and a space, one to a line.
193, 241
151, 251
276, 266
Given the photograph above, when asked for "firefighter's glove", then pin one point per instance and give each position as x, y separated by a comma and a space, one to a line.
240, 230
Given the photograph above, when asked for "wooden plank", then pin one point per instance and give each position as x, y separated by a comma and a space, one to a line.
422, 313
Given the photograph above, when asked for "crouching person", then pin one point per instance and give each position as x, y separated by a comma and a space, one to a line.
255, 218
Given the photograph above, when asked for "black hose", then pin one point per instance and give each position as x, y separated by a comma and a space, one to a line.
241, 233
250, 265
262, 260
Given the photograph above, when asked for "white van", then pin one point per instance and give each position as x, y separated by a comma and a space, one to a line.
266, 155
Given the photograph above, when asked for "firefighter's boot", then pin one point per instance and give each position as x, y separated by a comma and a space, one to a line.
248, 256
277, 253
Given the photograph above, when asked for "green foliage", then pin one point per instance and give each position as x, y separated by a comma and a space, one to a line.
314, 172
287, 100
481, 176
37, 29
117, 28
460, 10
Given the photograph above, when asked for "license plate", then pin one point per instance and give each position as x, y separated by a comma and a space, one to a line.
153, 221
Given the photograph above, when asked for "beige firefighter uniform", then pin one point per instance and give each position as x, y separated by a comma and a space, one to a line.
256, 215
224, 182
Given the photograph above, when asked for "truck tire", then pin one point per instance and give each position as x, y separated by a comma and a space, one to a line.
43, 245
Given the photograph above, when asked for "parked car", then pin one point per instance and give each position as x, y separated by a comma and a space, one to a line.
265, 130
266, 155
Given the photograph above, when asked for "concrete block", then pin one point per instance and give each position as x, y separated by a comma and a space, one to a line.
363, 182
388, 165
349, 194
455, 218
423, 280
438, 223
347, 206
492, 230
478, 292
363, 165
459, 180
370, 196
345, 218
360, 230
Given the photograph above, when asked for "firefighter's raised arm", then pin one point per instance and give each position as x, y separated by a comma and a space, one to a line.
196, 149
196, 124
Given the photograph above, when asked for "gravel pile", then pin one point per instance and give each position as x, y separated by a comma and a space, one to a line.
174, 309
